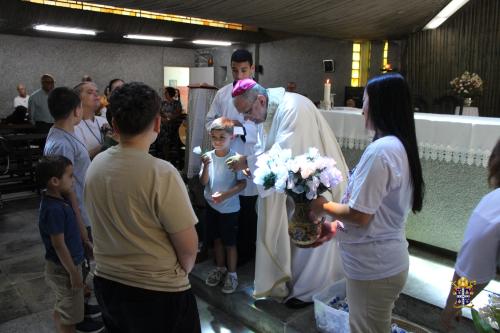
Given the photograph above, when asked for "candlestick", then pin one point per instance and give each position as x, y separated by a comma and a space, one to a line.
326, 95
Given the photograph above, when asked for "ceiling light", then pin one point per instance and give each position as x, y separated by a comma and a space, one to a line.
211, 42
149, 37
66, 30
445, 13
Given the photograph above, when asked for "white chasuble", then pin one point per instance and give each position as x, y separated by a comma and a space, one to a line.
283, 270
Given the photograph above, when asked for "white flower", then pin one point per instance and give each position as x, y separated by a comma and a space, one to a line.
197, 150
302, 175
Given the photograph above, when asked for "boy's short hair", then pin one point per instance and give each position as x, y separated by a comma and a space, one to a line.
134, 107
51, 166
222, 124
242, 56
62, 101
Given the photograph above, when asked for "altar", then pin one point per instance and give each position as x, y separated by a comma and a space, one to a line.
454, 152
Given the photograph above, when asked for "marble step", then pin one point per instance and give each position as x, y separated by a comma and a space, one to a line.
266, 315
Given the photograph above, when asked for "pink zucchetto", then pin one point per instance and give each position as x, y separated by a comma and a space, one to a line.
241, 86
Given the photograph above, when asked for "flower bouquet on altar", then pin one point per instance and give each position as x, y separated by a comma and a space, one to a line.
467, 86
302, 178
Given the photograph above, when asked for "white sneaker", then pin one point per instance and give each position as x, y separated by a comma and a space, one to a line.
230, 284
215, 277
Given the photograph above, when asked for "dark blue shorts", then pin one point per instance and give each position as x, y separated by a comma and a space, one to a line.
222, 226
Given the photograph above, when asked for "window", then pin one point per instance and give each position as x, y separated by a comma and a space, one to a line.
141, 13
356, 64
360, 63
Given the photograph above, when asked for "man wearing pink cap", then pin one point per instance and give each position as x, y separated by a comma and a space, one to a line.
292, 121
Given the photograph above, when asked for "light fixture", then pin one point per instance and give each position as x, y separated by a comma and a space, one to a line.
66, 30
211, 42
150, 37
445, 13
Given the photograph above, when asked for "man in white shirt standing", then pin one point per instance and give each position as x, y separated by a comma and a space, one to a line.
222, 106
22, 98
91, 130
38, 107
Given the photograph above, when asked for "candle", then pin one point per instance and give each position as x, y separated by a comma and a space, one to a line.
326, 96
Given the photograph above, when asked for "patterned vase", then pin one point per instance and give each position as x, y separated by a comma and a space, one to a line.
468, 101
301, 230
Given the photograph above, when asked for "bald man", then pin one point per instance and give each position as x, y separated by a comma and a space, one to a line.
21, 99
38, 107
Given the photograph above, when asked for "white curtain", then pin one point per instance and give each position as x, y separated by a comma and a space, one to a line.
200, 99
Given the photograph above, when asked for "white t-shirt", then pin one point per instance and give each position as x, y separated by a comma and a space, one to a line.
479, 254
222, 179
89, 132
21, 101
380, 185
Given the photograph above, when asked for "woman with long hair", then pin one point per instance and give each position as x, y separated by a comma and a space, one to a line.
385, 185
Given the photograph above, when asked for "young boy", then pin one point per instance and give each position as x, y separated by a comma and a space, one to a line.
61, 237
221, 189
65, 107
144, 225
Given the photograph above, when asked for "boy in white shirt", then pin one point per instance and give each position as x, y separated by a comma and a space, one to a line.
221, 188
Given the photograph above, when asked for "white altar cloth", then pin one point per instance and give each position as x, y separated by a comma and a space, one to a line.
449, 138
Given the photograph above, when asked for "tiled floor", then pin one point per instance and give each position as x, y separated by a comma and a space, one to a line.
25, 300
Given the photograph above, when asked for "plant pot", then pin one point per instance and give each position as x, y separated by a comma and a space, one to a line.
302, 231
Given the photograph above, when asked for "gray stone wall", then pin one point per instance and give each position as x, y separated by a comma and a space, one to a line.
24, 59
301, 60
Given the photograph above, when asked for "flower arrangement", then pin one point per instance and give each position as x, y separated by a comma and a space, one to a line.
487, 317
467, 85
303, 177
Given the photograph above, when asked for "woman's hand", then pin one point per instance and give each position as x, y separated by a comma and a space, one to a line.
328, 231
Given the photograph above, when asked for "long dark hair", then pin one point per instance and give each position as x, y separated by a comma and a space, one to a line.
390, 113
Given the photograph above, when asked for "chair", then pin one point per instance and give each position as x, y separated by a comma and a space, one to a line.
446, 104
419, 104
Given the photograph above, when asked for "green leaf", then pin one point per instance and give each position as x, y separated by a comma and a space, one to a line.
481, 325
270, 180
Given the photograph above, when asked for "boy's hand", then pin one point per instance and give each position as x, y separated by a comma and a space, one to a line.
76, 280
88, 247
219, 197
247, 173
206, 160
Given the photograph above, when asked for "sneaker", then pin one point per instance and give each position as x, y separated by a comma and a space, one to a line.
89, 326
215, 277
92, 311
230, 284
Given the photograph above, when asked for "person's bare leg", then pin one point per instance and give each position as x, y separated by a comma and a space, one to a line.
219, 253
232, 258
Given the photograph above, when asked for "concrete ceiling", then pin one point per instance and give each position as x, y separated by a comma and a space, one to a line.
341, 19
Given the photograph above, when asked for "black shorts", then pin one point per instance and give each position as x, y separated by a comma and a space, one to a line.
222, 226
127, 309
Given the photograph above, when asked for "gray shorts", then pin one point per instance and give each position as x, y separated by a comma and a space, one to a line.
69, 302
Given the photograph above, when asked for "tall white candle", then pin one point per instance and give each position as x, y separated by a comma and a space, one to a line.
326, 95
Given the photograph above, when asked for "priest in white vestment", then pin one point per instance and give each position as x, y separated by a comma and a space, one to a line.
283, 270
